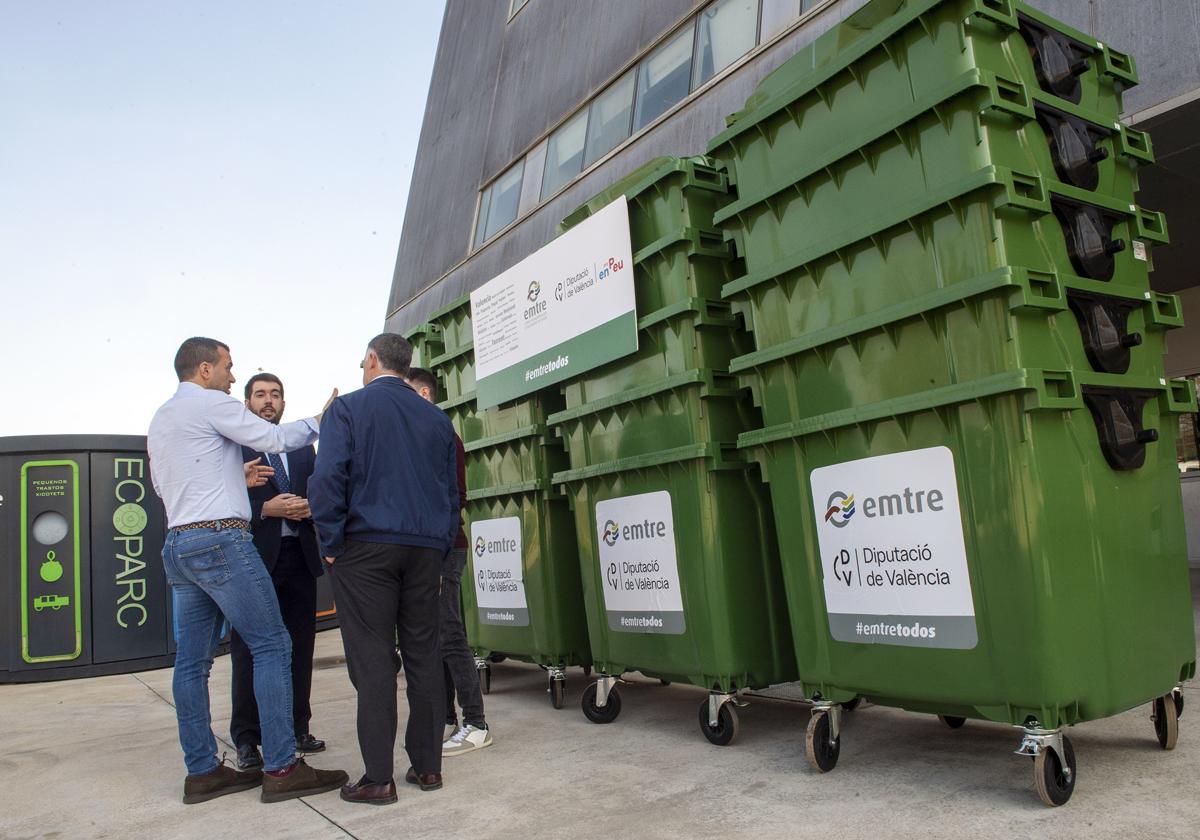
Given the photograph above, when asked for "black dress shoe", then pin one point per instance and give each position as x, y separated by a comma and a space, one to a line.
427, 781
306, 743
249, 757
370, 793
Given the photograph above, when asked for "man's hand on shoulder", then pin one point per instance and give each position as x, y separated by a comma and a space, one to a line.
256, 472
328, 402
279, 505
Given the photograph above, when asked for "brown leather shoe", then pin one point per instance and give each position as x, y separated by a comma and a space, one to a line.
427, 781
223, 780
370, 793
302, 781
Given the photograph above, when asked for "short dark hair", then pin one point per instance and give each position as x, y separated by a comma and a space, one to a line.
421, 377
394, 352
263, 377
194, 351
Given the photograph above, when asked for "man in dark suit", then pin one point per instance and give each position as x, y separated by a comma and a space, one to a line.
287, 542
385, 502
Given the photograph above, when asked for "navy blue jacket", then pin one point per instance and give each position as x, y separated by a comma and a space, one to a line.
268, 533
385, 470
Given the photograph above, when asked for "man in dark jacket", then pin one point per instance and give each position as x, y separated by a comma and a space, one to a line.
286, 541
384, 497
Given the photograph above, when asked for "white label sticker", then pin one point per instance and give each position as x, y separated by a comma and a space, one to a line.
1139, 250
638, 568
498, 571
892, 551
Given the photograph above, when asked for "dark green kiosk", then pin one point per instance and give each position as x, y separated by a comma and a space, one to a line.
81, 534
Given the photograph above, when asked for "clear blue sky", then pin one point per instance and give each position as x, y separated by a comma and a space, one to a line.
231, 169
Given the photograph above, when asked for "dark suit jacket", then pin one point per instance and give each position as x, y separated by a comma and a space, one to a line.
269, 531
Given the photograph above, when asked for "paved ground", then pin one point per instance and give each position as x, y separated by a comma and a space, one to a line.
99, 758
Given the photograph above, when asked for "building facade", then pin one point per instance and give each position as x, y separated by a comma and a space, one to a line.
537, 105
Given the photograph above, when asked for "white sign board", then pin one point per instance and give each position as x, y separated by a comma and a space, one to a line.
562, 310
638, 569
892, 551
498, 571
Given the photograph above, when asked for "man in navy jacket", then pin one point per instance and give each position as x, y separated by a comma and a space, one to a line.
384, 497
287, 542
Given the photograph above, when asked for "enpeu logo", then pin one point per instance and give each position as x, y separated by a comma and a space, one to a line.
841, 506
646, 530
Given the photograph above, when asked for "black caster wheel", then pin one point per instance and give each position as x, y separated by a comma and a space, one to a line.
600, 714
587, 670
661, 681
1178, 702
821, 750
851, 705
1166, 721
1055, 783
727, 724
558, 690
952, 721
485, 679
496, 658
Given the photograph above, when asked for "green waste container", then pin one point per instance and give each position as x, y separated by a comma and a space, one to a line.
681, 578
521, 588
426, 341
454, 321
894, 58
971, 553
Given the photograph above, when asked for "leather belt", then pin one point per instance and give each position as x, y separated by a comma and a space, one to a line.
215, 524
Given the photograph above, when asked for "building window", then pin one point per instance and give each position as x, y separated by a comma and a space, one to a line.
564, 154
664, 78
711, 41
725, 31
1187, 445
502, 199
610, 118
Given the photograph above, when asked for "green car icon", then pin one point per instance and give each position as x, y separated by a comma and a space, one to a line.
53, 602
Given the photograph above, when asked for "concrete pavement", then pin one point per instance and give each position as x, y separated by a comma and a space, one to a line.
99, 758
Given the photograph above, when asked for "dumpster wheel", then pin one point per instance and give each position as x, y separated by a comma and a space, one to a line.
821, 746
558, 686
953, 721
726, 729
1165, 715
1055, 784
600, 714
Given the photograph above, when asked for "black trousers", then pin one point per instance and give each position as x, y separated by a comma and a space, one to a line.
383, 591
296, 589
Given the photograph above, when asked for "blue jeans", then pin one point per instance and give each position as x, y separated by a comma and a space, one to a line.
213, 573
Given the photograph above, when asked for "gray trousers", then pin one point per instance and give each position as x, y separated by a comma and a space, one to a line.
458, 663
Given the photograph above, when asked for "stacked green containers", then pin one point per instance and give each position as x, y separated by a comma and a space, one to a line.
427, 344
968, 436
521, 587
681, 575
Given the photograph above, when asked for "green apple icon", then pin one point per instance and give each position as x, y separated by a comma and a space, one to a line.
51, 569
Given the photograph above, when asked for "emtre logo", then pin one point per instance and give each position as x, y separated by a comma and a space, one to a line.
839, 509
535, 289
480, 546
611, 532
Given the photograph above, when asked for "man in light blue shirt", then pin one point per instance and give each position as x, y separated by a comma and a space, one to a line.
195, 446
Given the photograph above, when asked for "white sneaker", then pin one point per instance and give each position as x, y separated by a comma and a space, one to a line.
466, 739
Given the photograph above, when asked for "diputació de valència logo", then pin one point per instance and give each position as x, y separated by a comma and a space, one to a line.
839, 509
611, 532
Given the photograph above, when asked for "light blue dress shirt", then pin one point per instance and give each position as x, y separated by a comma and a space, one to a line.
194, 444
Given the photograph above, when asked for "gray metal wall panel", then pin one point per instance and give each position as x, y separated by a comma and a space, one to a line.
685, 132
1162, 35
449, 164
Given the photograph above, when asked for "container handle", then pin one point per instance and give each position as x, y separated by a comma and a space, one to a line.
1135, 144
999, 11
1151, 225
1053, 390
1118, 66
1166, 311
1180, 397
